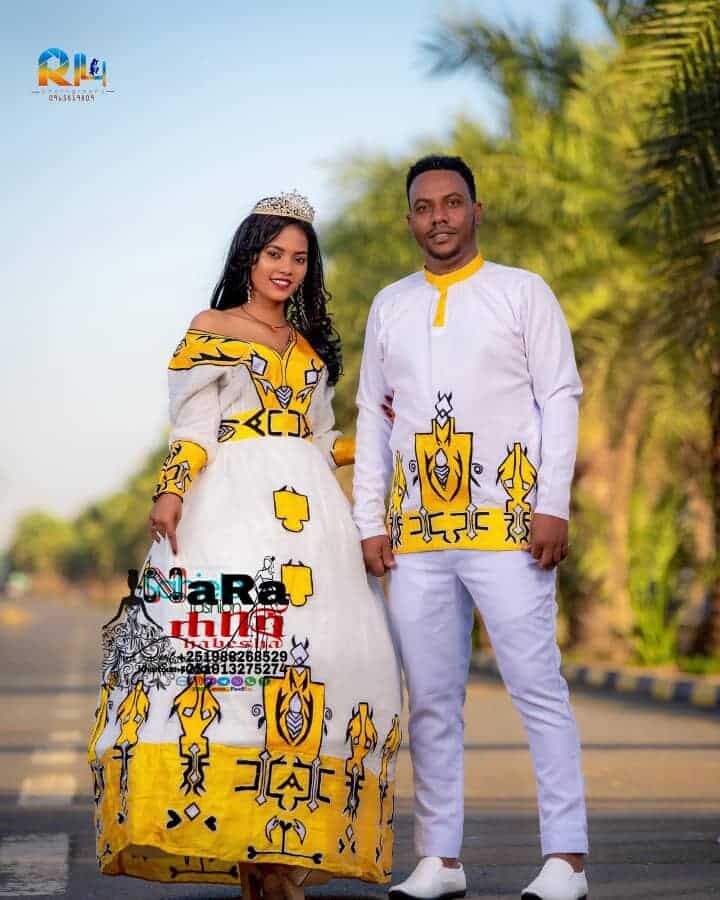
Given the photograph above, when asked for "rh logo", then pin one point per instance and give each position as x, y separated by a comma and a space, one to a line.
62, 76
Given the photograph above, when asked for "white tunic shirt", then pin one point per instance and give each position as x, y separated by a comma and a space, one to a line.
485, 390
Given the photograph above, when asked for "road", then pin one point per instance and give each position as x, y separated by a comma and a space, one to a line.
652, 773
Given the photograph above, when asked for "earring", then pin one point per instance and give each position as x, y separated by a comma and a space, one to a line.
249, 289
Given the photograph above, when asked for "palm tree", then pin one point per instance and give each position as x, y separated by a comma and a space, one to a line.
674, 52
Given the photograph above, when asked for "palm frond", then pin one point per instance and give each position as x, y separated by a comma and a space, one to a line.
619, 14
516, 60
674, 52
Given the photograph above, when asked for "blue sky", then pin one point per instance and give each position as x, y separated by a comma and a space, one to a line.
117, 214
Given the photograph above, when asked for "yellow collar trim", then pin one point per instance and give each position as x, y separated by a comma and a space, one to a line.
443, 282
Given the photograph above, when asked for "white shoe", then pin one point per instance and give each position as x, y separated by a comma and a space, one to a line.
431, 880
557, 881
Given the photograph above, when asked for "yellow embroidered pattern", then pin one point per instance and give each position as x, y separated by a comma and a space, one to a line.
183, 462
343, 451
444, 282
447, 517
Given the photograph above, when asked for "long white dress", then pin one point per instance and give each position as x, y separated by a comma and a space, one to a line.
250, 699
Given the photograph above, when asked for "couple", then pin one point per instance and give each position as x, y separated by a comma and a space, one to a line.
249, 716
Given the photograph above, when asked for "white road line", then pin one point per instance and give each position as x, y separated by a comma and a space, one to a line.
69, 698
67, 714
70, 703
67, 737
73, 710
57, 758
51, 790
33, 864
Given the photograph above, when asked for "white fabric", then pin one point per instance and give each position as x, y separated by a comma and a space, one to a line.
431, 599
504, 354
228, 525
322, 417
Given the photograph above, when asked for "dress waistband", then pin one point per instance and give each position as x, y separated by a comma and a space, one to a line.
261, 422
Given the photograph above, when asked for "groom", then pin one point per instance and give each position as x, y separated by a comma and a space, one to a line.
478, 461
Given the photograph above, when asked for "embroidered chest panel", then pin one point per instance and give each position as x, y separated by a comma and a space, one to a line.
283, 381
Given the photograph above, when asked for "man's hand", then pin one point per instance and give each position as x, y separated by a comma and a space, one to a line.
164, 518
387, 408
548, 540
378, 555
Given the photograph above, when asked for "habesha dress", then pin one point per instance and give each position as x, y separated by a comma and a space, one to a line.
250, 699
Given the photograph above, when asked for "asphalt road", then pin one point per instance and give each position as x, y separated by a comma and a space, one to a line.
652, 774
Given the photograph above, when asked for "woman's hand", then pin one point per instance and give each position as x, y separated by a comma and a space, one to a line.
164, 518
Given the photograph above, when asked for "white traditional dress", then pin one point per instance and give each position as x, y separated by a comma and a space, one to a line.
249, 708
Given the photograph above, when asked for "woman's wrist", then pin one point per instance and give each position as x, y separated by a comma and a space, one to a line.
184, 461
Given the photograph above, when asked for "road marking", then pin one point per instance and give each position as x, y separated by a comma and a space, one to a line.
69, 706
66, 737
32, 865
53, 789
68, 698
69, 713
55, 758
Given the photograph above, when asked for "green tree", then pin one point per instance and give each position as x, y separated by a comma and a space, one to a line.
111, 535
39, 543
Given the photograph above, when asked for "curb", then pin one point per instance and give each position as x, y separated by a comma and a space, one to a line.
691, 691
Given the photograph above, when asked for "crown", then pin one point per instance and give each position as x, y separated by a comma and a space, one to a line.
293, 205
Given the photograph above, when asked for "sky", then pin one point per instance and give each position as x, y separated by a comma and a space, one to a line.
117, 214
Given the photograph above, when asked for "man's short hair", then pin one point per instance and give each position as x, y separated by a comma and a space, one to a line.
437, 163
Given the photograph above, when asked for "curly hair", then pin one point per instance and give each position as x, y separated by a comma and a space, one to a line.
310, 317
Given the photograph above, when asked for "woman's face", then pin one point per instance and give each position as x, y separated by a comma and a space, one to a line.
281, 266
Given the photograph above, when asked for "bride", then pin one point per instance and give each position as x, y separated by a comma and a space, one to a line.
248, 721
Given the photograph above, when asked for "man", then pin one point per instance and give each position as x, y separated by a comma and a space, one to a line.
479, 362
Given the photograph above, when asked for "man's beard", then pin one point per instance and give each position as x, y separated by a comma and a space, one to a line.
442, 254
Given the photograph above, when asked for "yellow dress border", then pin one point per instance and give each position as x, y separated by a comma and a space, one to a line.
255, 808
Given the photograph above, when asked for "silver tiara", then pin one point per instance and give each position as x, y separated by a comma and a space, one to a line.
292, 205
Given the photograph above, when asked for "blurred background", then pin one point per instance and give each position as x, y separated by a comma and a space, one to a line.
594, 132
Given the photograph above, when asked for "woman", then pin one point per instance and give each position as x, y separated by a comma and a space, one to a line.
249, 712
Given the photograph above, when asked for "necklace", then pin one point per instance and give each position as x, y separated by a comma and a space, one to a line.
246, 312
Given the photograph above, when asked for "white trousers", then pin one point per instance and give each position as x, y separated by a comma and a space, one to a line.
431, 599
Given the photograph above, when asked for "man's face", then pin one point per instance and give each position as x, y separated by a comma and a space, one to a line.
442, 215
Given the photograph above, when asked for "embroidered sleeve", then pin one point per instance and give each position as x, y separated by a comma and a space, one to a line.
194, 422
183, 462
343, 451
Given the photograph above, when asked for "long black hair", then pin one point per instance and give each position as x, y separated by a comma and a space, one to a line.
310, 317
